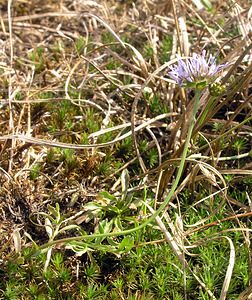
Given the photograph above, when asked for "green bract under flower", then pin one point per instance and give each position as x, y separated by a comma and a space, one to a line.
196, 71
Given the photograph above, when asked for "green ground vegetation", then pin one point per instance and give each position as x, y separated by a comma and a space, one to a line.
93, 133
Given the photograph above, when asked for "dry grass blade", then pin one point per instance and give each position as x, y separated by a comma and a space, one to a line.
237, 63
229, 272
243, 24
44, 15
48, 143
170, 239
139, 60
247, 294
17, 240
107, 27
213, 37
216, 223
230, 267
175, 243
175, 16
10, 91
183, 30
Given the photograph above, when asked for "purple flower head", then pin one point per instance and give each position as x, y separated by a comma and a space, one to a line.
196, 71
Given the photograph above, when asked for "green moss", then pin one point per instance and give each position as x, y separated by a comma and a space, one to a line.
37, 56
80, 44
165, 49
